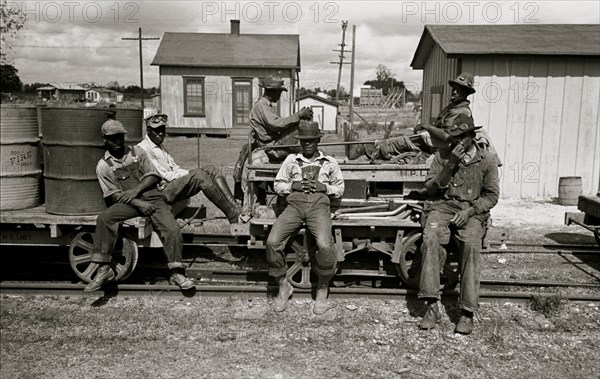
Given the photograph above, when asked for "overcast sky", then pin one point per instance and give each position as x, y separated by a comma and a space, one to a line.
80, 41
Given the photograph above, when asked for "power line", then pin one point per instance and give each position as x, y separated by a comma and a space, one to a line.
140, 39
341, 62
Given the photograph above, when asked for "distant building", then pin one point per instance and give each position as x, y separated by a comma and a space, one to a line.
53, 91
209, 81
538, 94
100, 94
325, 111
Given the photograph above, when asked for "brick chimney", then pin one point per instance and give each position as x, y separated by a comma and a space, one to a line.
235, 27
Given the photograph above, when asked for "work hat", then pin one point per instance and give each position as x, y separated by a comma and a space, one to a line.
112, 127
272, 82
462, 124
465, 80
308, 130
156, 121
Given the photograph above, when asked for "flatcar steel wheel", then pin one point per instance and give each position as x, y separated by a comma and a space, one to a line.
409, 267
299, 273
125, 257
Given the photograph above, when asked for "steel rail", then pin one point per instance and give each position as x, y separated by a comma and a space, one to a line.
257, 291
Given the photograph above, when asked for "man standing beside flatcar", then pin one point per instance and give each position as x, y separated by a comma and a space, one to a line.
463, 186
307, 180
125, 175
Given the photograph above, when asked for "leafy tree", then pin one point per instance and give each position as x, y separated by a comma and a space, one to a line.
12, 19
382, 73
9, 80
114, 85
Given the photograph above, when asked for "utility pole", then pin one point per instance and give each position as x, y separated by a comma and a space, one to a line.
140, 39
341, 61
351, 103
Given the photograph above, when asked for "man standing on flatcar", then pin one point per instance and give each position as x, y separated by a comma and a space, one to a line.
269, 129
307, 180
179, 184
126, 175
463, 185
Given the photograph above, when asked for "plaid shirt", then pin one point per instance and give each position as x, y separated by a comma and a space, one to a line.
328, 173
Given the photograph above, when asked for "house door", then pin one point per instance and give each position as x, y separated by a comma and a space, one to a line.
319, 115
242, 101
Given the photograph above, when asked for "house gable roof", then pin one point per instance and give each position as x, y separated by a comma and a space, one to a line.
527, 39
322, 100
62, 87
103, 90
229, 50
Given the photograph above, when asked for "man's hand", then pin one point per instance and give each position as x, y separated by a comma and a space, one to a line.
458, 153
305, 114
128, 196
146, 208
461, 218
317, 186
297, 187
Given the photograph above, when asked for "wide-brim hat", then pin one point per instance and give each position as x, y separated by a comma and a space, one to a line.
462, 124
308, 130
272, 82
465, 80
112, 127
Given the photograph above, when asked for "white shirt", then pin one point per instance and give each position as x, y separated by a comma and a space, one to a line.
162, 160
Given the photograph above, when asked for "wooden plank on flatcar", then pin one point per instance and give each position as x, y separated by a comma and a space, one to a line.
374, 222
38, 215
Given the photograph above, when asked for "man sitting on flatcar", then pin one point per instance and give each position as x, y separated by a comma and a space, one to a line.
463, 185
307, 181
126, 175
179, 184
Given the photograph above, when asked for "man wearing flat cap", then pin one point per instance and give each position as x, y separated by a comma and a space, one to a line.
125, 175
463, 186
307, 181
178, 184
269, 128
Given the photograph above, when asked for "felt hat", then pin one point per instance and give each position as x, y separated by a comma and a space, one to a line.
272, 82
308, 130
465, 80
462, 124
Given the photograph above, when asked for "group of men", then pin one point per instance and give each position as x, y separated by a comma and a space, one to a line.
461, 188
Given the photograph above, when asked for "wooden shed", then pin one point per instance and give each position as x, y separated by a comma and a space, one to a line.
209, 81
325, 111
538, 95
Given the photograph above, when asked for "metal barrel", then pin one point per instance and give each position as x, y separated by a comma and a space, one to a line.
73, 145
20, 171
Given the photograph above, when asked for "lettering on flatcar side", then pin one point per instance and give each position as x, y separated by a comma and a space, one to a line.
15, 237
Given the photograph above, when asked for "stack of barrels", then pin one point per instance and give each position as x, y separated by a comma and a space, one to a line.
71, 143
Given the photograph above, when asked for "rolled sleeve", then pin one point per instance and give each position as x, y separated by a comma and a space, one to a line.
335, 187
108, 182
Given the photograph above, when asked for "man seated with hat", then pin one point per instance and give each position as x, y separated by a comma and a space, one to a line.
269, 129
430, 136
178, 184
125, 175
462, 185
307, 180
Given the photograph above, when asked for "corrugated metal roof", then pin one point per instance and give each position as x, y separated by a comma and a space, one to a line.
527, 39
229, 50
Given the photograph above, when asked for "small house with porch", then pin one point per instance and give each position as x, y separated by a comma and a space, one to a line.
538, 97
209, 81
54, 91
107, 95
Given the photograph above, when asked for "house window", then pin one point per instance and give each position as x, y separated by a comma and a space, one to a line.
193, 96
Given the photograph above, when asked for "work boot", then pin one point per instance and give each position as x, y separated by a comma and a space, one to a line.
465, 324
356, 151
214, 193
104, 275
321, 304
285, 292
179, 279
224, 187
432, 316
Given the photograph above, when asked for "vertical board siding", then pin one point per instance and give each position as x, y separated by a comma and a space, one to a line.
438, 70
542, 114
218, 92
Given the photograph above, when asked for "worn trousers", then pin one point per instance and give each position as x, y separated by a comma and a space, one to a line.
162, 219
314, 211
187, 186
437, 233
